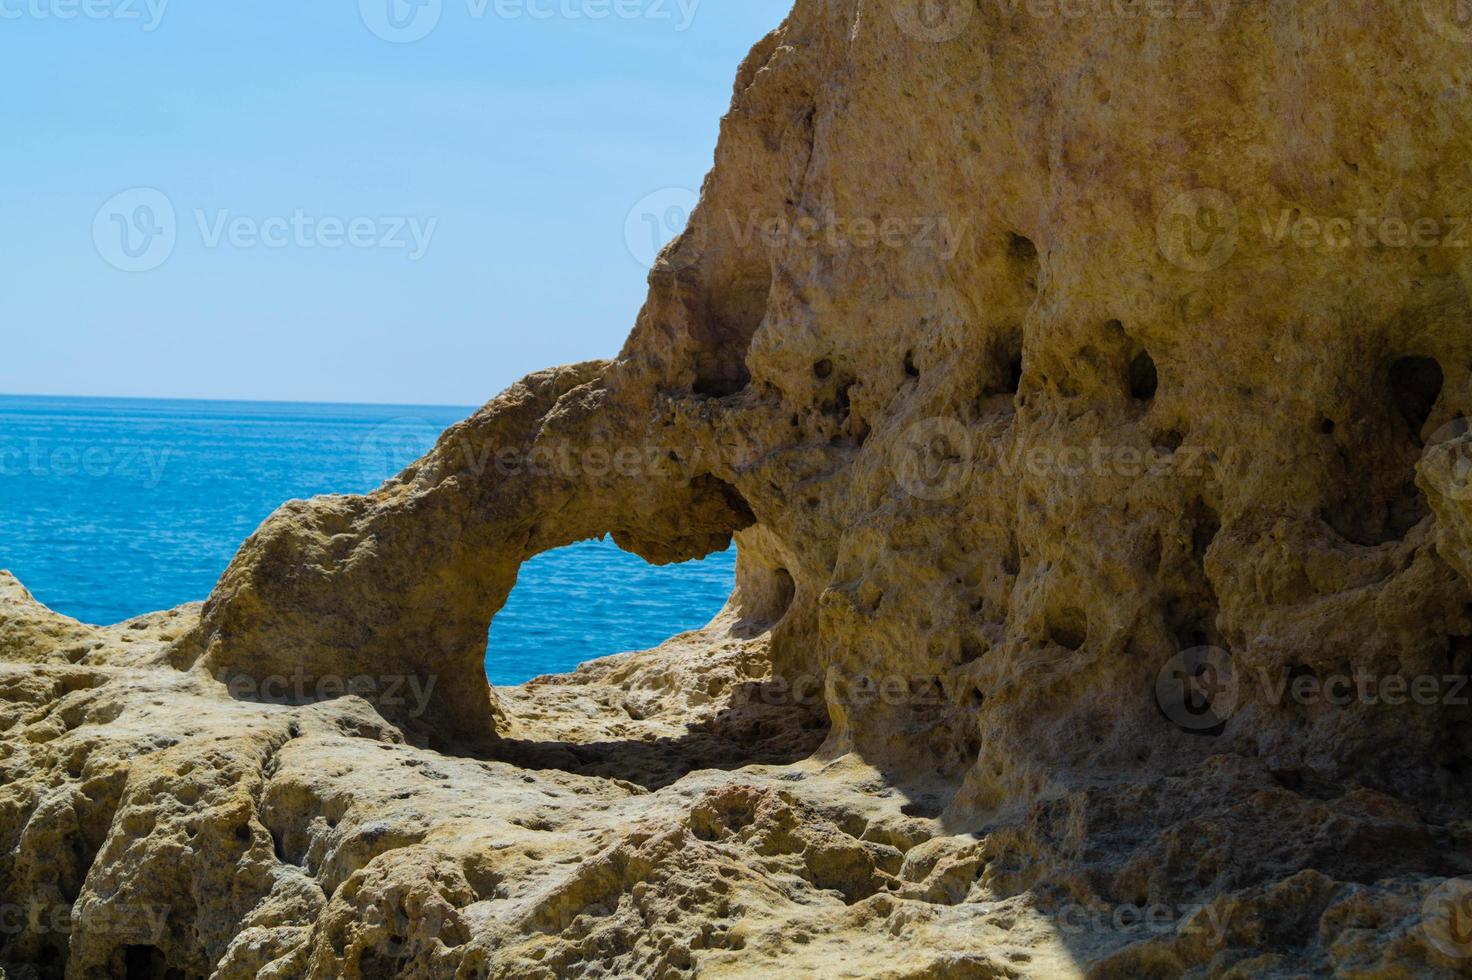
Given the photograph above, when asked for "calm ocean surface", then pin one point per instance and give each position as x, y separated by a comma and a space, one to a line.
110, 508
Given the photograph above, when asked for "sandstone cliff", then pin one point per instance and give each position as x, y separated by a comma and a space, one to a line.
1084, 386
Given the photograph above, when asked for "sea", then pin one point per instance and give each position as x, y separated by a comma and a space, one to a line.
111, 508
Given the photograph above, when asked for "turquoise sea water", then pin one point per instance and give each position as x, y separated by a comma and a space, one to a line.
110, 508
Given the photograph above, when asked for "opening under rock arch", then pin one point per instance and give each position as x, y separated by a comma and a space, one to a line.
591, 600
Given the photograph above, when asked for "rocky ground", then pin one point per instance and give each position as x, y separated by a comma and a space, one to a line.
654, 815
1086, 391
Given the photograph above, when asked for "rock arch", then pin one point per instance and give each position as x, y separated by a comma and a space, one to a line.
393, 592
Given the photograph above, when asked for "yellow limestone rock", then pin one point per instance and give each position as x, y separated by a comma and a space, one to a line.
1084, 385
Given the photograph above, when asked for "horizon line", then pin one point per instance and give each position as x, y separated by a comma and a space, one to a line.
240, 401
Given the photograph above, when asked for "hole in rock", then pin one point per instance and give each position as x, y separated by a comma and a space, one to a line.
1069, 628
592, 600
1004, 368
910, 369
1021, 248
838, 403
733, 308
720, 387
925, 808
1375, 499
147, 963
1415, 384
763, 598
1014, 373
972, 649
844, 399
1144, 379
823, 369
1168, 441
1205, 525
587, 601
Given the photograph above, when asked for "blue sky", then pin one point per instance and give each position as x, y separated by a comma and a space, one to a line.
290, 201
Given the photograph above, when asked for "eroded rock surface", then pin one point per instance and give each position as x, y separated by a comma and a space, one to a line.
1084, 386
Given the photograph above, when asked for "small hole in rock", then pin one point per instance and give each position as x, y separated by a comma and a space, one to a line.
1021, 248
823, 369
146, 963
910, 369
1144, 379
1168, 441
1416, 383
1069, 629
843, 397
1014, 373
